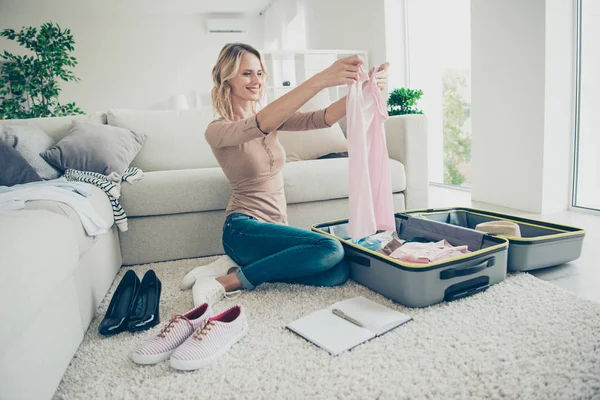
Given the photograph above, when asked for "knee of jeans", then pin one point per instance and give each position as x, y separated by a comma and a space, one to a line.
334, 250
342, 273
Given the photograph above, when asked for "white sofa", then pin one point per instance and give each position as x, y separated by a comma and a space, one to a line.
54, 275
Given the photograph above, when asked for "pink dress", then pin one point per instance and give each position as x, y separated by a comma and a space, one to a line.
370, 186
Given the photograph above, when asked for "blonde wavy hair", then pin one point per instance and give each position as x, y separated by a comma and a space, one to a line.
227, 67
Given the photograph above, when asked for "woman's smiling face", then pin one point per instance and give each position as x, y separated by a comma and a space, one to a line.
247, 85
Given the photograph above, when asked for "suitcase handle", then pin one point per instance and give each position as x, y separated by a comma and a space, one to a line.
467, 269
467, 288
364, 261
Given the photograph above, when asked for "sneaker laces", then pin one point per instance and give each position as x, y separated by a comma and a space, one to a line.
215, 292
203, 331
174, 320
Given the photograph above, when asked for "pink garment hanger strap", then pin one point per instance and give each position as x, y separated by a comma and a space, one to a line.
374, 90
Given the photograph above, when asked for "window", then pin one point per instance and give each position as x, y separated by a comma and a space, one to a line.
439, 43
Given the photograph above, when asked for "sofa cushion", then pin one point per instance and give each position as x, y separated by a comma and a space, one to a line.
39, 252
177, 191
207, 189
175, 138
312, 144
99, 201
316, 180
57, 127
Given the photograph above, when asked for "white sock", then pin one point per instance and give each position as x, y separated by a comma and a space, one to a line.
132, 175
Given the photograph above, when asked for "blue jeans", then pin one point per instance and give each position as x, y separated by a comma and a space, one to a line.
269, 252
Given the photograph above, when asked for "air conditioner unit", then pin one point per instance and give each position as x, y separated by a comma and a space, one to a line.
226, 25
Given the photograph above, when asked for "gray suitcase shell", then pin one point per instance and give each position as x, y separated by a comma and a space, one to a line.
420, 285
542, 244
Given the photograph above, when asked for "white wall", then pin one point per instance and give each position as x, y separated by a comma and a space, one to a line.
425, 73
284, 25
396, 36
131, 59
507, 80
521, 103
559, 109
347, 24
588, 192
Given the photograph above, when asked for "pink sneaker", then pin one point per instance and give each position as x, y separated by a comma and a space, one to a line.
179, 328
211, 340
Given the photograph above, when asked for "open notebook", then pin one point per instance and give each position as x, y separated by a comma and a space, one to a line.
336, 335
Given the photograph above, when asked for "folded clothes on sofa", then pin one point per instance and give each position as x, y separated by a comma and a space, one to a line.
78, 187
16, 196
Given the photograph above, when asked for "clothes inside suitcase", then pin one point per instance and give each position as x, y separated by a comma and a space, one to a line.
420, 285
541, 244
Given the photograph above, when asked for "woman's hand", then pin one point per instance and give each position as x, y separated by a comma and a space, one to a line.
381, 75
337, 110
342, 72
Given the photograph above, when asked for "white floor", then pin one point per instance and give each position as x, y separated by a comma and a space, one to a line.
581, 276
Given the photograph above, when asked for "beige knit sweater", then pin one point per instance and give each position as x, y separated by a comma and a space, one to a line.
253, 162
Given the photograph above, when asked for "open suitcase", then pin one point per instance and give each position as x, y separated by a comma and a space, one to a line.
420, 285
542, 244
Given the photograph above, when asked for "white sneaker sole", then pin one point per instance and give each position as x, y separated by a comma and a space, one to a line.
144, 359
190, 365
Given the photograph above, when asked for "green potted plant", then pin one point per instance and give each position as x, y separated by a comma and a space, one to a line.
402, 101
29, 83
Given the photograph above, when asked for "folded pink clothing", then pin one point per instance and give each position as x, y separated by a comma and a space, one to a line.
424, 253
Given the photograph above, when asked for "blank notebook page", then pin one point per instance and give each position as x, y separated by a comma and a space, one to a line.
331, 332
376, 317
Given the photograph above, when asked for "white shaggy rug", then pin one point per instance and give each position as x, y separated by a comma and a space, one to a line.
522, 338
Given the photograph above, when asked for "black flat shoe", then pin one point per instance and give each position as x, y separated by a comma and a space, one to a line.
145, 314
120, 307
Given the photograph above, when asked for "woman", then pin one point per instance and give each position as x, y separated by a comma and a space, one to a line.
256, 235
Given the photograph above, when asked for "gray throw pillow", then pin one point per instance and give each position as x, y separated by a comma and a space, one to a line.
30, 141
96, 147
14, 169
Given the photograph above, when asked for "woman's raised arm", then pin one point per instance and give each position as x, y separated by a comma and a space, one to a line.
341, 72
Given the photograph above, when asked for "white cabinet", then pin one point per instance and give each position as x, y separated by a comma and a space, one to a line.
294, 67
